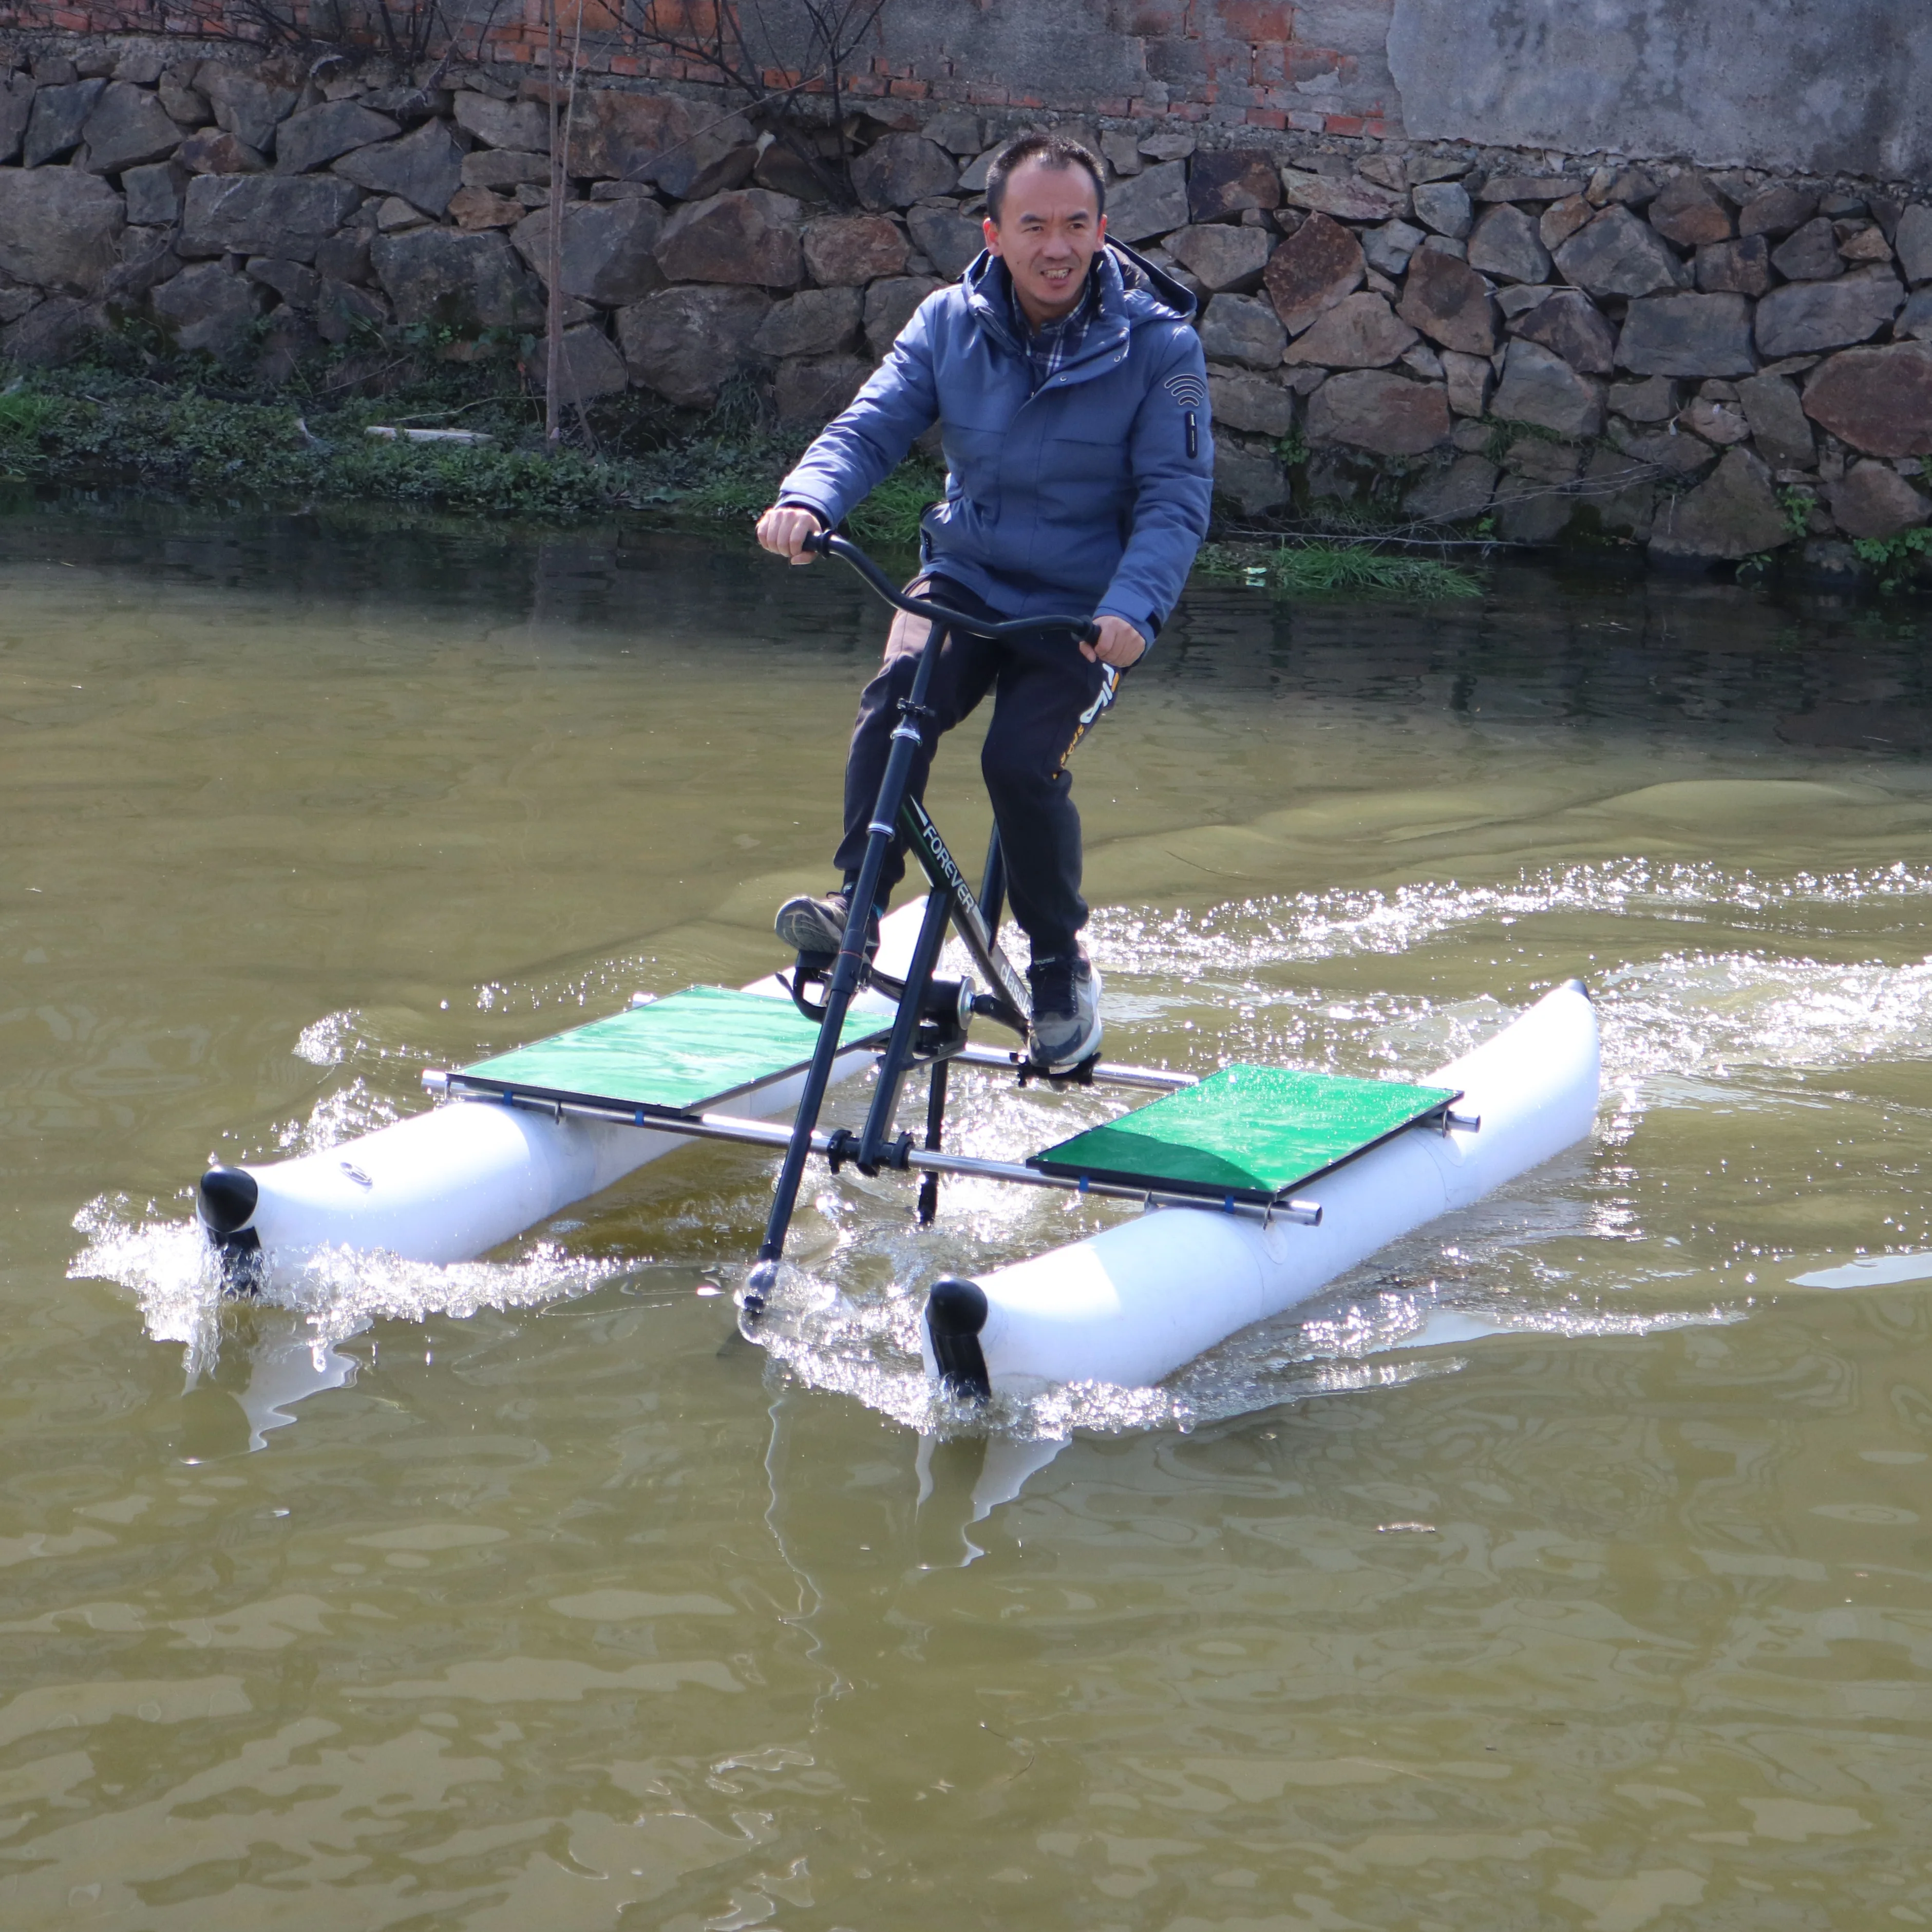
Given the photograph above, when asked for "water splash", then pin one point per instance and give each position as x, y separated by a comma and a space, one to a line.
168, 1266
1677, 1029
350, 1111
1749, 1019
329, 1041
1250, 934
1718, 1016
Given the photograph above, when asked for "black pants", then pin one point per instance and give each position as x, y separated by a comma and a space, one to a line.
1046, 697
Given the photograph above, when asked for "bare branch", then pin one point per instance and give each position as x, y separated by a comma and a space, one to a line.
407, 31
743, 44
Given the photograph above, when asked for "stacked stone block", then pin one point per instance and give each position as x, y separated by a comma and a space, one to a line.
1711, 364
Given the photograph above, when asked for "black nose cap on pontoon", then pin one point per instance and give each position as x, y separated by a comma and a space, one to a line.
226, 1198
955, 1312
1578, 986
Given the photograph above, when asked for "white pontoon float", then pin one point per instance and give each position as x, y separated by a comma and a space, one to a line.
1269, 1182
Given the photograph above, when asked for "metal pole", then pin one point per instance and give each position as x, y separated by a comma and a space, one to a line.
893, 1063
993, 884
992, 895
1006, 997
744, 1133
1005, 1059
906, 741
935, 1122
1106, 1072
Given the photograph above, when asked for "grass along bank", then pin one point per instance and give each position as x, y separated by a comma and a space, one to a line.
102, 423
110, 423
1325, 567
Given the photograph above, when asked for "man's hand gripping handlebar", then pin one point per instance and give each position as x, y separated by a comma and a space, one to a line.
794, 534
786, 531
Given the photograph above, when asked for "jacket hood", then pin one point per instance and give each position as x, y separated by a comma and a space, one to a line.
1148, 293
1154, 285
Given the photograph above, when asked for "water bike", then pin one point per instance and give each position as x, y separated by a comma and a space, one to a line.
1258, 1185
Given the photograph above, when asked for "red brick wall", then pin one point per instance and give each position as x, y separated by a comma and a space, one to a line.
1318, 67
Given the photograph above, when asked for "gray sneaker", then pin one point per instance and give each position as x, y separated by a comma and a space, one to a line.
817, 927
1065, 1026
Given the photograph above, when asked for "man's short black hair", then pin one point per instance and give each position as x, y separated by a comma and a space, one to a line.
1050, 151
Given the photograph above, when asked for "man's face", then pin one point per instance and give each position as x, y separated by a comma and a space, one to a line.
1049, 230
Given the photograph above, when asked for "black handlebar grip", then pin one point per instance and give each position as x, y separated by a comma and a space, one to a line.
830, 543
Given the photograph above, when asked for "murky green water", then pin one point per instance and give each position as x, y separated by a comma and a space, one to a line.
1567, 1567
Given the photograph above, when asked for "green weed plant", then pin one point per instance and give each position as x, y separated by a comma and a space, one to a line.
1336, 570
1893, 559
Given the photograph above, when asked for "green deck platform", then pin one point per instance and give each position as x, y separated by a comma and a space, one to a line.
1250, 1133
680, 1055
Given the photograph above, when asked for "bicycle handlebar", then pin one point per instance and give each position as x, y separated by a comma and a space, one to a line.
830, 543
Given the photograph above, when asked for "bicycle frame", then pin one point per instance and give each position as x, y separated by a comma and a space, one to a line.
951, 902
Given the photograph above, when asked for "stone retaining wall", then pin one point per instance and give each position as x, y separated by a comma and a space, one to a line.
1715, 365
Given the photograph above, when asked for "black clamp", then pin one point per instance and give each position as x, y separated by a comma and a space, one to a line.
1082, 1075
897, 1156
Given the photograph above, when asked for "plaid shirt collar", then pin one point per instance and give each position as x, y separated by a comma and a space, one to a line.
1050, 348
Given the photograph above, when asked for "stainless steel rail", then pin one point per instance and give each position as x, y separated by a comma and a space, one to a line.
1158, 1079
742, 1132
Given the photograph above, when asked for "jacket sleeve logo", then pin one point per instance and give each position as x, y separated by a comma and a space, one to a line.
1191, 393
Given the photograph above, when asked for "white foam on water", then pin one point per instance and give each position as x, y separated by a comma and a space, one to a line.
164, 1263
1252, 933
1677, 1030
329, 1041
1716, 1016
346, 1115
1747, 1020
167, 1266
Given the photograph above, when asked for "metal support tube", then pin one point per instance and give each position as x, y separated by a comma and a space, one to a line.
993, 885
845, 979
1304, 1213
898, 1055
1005, 1059
736, 1128
1156, 1079
1008, 998
935, 1125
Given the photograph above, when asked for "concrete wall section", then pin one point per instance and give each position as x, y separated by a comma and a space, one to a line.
1016, 47
1824, 85
1830, 87
1320, 67
1317, 68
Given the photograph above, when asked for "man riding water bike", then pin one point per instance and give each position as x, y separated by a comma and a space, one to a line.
1072, 401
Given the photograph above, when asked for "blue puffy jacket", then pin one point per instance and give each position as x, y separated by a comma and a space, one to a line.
1091, 495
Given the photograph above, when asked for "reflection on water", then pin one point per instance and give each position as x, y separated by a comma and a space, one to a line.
1565, 1565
